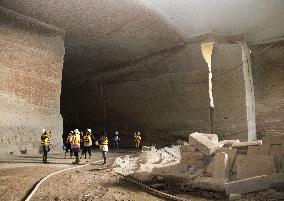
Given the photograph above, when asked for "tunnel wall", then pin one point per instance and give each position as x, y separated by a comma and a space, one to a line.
31, 60
165, 96
268, 75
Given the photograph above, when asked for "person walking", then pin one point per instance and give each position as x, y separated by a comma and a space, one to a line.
45, 141
103, 143
115, 140
68, 144
137, 140
75, 145
87, 139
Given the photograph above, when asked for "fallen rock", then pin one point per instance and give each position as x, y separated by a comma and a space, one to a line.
228, 142
203, 144
221, 166
246, 144
208, 183
248, 185
212, 137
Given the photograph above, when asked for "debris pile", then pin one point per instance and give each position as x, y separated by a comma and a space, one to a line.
205, 163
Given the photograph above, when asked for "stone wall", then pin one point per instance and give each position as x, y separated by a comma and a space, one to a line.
165, 96
268, 74
31, 60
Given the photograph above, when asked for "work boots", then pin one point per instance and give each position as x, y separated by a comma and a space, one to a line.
77, 161
44, 159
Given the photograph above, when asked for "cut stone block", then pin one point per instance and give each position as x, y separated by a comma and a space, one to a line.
258, 150
212, 137
221, 166
231, 154
208, 183
248, 185
245, 144
250, 166
228, 142
273, 140
238, 157
202, 143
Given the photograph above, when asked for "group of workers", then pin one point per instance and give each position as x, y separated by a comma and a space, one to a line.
77, 140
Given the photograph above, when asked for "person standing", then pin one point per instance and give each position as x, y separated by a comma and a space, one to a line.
116, 140
68, 144
104, 146
137, 140
75, 145
45, 141
87, 138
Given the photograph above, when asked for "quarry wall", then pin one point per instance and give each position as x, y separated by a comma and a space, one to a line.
31, 62
268, 75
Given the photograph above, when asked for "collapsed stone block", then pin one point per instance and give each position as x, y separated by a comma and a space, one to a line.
246, 144
248, 185
202, 143
250, 166
258, 150
221, 166
212, 137
228, 142
208, 183
231, 154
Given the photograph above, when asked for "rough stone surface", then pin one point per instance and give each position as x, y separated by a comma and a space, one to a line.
250, 166
277, 181
248, 185
221, 166
202, 143
273, 140
258, 150
268, 75
231, 156
31, 60
212, 137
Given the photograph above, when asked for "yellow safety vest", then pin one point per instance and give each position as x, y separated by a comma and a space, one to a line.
87, 138
45, 139
69, 138
104, 141
77, 139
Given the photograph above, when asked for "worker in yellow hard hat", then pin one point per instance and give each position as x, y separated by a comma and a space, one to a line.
45, 141
137, 140
75, 145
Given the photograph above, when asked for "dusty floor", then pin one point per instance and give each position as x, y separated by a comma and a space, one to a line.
95, 182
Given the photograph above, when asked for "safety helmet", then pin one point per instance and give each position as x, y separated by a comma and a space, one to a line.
89, 130
71, 131
138, 133
76, 131
116, 132
43, 130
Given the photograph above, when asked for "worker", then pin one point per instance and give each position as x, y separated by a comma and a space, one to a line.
103, 143
137, 140
87, 139
45, 141
115, 141
75, 145
68, 144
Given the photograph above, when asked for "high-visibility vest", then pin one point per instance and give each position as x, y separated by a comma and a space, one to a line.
69, 138
104, 141
87, 138
137, 137
45, 139
76, 139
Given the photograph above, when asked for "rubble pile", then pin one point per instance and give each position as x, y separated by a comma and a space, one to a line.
205, 163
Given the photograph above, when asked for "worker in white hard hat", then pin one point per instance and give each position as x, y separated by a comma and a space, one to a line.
115, 141
45, 141
87, 139
75, 145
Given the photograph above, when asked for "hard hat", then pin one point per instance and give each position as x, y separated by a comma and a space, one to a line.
76, 131
43, 130
89, 130
138, 133
116, 132
71, 132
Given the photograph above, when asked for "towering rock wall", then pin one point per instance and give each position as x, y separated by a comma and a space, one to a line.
31, 61
268, 74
